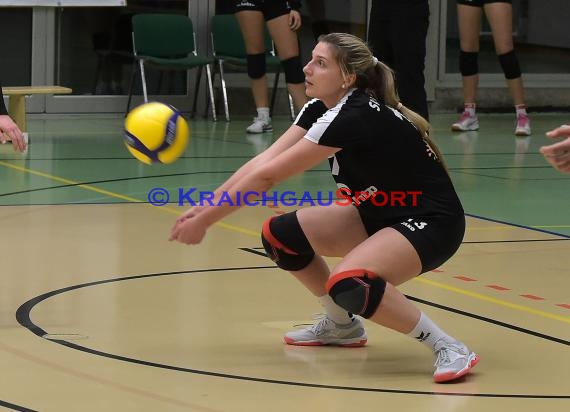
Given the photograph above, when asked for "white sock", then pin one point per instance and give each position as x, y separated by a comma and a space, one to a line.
521, 109
334, 312
470, 108
263, 112
429, 333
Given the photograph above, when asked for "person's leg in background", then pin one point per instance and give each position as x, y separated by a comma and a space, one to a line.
319, 24
379, 34
408, 31
287, 45
500, 17
397, 34
469, 21
252, 27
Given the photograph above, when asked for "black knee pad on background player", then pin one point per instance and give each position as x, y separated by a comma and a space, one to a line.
286, 243
256, 67
293, 70
468, 63
357, 291
510, 65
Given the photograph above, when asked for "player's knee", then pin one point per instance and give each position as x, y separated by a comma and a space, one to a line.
293, 70
468, 63
286, 243
256, 67
358, 291
510, 65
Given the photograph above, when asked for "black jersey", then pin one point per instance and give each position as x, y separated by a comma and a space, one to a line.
382, 156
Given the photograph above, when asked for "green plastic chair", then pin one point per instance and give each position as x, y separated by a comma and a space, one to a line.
168, 42
229, 51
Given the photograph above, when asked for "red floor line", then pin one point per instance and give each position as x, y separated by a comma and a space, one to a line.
503, 289
465, 278
497, 287
533, 297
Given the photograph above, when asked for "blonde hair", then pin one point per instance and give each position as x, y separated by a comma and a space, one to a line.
373, 77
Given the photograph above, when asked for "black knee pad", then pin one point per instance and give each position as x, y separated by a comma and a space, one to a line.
286, 243
357, 291
468, 63
293, 70
510, 65
256, 67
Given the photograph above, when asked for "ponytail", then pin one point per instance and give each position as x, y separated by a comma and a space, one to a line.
385, 89
374, 77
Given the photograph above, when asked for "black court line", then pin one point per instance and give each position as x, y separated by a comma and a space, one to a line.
492, 154
493, 176
500, 168
489, 219
256, 251
513, 241
509, 178
23, 318
190, 157
119, 179
124, 179
119, 158
9, 405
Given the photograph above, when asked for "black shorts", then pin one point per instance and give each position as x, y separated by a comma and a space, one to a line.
481, 3
270, 8
435, 238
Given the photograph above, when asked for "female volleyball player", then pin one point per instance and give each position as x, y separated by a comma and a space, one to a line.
356, 121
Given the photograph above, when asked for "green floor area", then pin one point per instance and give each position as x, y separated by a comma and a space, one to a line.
83, 160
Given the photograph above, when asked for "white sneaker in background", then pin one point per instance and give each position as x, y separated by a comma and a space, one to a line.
260, 125
523, 125
466, 122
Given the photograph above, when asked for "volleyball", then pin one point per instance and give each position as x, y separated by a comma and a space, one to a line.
156, 133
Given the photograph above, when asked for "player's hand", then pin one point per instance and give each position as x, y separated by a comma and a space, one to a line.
562, 131
10, 131
294, 20
192, 212
190, 231
558, 154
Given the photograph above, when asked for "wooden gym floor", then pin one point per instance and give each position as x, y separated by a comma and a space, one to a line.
99, 312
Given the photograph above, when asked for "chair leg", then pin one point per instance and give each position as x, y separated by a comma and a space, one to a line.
274, 94
224, 91
143, 78
207, 105
196, 89
291, 106
131, 83
211, 91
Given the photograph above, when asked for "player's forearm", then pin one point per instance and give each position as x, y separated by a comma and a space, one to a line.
233, 198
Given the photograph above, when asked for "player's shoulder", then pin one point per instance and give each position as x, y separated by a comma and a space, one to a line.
309, 113
364, 107
314, 106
